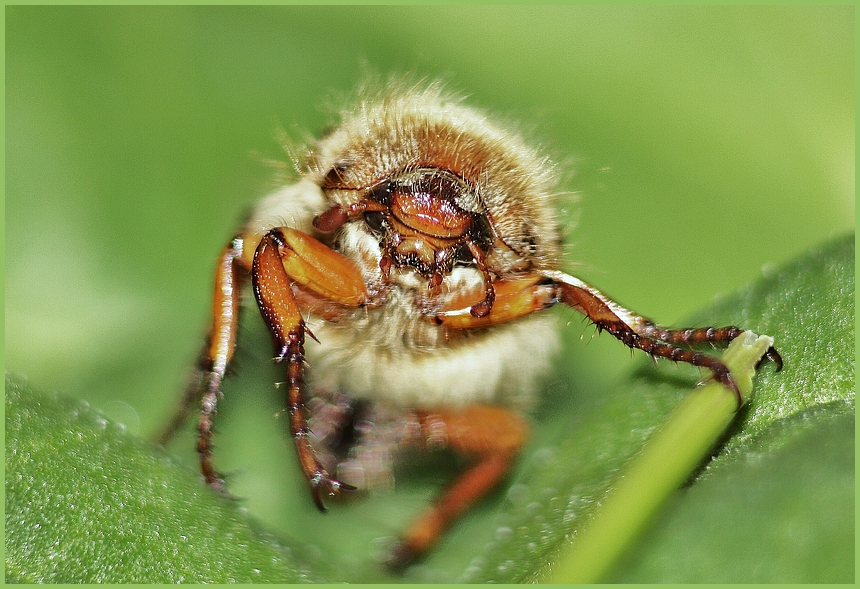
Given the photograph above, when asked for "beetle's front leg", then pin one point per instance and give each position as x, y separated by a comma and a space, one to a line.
638, 332
534, 292
312, 266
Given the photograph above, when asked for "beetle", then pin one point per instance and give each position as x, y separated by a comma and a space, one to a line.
408, 266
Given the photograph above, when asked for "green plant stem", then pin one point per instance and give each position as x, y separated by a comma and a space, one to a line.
666, 461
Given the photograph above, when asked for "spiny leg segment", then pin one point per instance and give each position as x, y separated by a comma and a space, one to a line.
536, 291
282, 315
637, 332
284, 259
213, 362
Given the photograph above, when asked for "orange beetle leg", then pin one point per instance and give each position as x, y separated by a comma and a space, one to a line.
638, 332
281, 313
513, 299
492, 436
205, 386
319, 269
277, 260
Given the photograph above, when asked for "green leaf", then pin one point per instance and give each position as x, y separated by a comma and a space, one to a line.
777, 503
781, 513
665, 462
88, 503
85, 501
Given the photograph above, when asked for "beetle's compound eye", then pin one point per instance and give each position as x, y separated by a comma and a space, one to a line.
376, 221
382, 193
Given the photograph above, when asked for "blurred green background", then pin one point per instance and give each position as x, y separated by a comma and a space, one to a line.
136, 140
